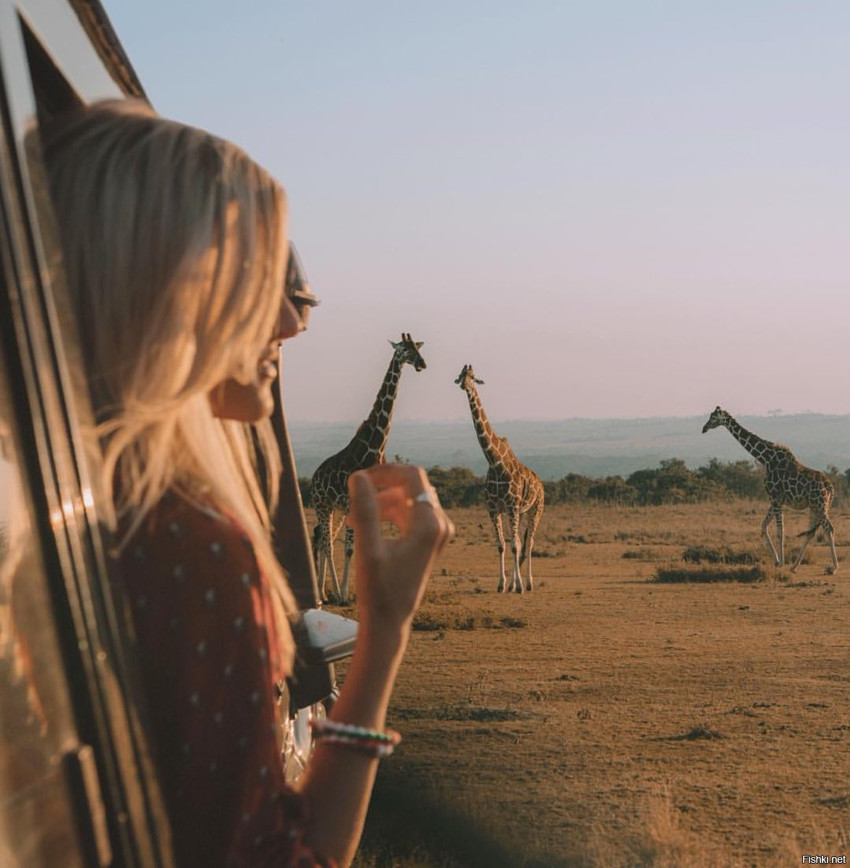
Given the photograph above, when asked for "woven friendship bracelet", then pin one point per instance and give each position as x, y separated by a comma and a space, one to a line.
374, 749
367, 741
322, 725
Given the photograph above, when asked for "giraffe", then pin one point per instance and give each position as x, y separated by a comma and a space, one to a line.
511, 488
788, 483
330, 481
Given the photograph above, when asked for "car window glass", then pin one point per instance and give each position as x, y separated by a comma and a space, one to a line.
36, 728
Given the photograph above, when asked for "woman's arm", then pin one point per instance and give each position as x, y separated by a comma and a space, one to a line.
392, 575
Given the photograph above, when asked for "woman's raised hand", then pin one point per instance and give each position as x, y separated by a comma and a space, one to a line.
392, 572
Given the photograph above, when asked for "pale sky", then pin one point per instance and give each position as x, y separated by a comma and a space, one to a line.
611, 208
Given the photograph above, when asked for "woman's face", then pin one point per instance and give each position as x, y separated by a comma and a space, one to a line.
253, 401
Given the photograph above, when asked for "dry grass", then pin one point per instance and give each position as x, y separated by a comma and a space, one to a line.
622, 722
673, 575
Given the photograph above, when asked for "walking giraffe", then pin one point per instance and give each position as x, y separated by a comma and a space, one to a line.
511, 488
788, 483
329, 490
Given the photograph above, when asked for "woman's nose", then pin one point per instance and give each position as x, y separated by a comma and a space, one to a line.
289, 323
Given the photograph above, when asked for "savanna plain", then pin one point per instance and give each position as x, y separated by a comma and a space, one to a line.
664, 697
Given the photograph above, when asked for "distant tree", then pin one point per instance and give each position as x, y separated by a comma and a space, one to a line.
305, 484
738, 478
457, 486
572, 488
613, 489
841, 481
670, 482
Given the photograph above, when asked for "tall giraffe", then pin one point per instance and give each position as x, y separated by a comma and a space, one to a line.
330, 481
511, 488
788, 483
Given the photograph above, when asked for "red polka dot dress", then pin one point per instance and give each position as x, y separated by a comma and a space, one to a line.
208, 657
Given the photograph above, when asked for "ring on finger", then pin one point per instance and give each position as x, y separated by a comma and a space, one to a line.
428, 496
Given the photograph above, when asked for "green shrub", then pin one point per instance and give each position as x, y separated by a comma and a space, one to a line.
699, 554
684, 575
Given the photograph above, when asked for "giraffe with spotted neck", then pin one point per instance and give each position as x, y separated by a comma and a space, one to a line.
788, 483
511, 488
329, 490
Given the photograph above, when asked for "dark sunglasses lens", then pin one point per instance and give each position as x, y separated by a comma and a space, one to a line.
297, 286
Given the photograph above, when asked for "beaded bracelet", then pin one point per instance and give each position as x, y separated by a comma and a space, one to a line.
378, 745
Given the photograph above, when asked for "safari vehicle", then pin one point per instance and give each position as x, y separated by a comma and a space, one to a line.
77, 777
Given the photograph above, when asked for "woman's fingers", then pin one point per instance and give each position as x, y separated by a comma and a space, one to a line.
393, 570
447, 529
392, 506
401, 494
413, 480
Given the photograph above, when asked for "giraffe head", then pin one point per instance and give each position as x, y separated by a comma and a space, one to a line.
467, 377
407, 351
717, 418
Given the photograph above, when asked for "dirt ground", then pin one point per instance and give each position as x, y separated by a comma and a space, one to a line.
608, 720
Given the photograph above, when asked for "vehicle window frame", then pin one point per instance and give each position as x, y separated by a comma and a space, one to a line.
39, 346
55, 54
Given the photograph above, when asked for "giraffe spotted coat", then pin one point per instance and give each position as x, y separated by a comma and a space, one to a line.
788, 483
511, 489
329, 488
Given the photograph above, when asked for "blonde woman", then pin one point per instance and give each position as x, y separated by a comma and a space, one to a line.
176, 254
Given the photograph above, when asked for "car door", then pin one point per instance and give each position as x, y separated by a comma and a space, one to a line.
76, 780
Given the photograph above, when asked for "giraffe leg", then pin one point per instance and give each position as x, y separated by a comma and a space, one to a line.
349, 551
809, 535
523, 555
315, 548
830, 535
773, 513
329, 556
826, 524
528, 543
828, 529
500, 543
320, 549
516, 579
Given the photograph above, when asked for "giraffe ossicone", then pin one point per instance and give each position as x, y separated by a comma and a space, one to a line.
511, 489
329, 488
788, 483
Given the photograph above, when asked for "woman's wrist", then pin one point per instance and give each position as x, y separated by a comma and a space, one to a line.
387, 639
370, 677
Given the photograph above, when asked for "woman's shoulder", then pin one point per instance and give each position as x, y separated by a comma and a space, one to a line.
177, 517
181, 535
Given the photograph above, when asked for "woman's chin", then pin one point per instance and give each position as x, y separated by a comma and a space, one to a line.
241, 402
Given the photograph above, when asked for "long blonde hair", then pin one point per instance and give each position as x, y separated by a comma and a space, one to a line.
175, 253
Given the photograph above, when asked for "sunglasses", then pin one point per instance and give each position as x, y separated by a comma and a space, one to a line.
297, 287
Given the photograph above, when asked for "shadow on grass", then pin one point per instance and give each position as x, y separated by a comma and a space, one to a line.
427, 622
696, 733
474, 713
410, 824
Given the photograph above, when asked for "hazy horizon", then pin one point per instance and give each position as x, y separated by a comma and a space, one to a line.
591, 447
450, 420
612, 210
